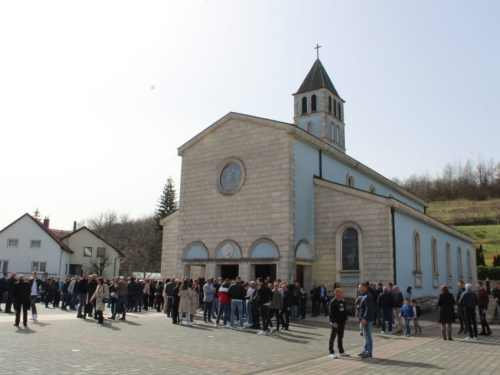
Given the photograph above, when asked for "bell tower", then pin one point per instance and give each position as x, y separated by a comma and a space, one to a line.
319, 109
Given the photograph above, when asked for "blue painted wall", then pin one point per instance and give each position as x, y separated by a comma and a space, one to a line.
306, 166
404, 229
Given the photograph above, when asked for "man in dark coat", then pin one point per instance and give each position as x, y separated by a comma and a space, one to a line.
338, 320
3, 287
81, 290
35, 287
21, 293
287, 306
10, 298
92, 286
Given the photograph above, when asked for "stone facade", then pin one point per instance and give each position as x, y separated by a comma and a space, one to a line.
260, 210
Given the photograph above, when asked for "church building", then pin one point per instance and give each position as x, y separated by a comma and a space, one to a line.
266, 198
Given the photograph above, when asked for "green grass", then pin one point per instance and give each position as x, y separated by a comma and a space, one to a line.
486, 235
463, 212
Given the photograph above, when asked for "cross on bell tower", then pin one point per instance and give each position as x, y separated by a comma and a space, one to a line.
317, 50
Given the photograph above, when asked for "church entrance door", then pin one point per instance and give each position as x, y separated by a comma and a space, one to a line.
229, 271
299, 276
265, 270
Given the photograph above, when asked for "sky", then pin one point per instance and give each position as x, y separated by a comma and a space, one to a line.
96, 96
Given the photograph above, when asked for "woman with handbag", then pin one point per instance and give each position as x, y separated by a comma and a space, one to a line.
100, 296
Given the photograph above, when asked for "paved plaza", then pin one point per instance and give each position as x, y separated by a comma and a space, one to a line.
148, 343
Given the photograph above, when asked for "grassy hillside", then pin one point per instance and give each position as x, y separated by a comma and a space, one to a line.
477, 219
464, 212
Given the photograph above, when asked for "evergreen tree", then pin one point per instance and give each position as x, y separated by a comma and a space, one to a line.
36, 214
167, 204
496, 261
480, 256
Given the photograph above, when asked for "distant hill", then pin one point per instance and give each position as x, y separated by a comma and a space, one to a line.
477, 219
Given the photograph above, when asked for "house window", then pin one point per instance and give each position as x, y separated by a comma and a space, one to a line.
373, 189
350, 250
310, 127
39, 266
350, 180
4, 266
435, 265
101, 252
12, 242
313, 104
87, 251
304, 105
459, 262
417, 260
36, 243
449, 269
330, 104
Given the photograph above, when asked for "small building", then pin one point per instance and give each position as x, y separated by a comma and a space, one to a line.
92, 252
262, 198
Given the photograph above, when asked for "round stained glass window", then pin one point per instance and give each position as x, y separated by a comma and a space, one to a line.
231, 177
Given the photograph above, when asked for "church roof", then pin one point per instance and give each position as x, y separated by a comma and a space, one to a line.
317, 78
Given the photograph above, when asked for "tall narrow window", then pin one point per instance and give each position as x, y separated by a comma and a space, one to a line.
304, 105
350, 250
334, 107
330, 104
310, 127
350, 180
449, 268
460, 264
313, 104
435, 265
338, 134
417, 259
332, 130
469, 266
340, 111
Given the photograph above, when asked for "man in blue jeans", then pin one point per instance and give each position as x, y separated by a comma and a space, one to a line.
237, 294
366, 320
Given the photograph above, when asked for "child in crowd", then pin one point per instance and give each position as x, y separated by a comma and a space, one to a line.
417, 314
408, 314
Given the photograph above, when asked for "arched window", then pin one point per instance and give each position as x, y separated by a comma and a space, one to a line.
313, 103
460, 264
334, 107
332, 130
340, 111
338, 134
350, 250
304, 105
449, 268
435, 265
417, 259
350, 180
329, 104
310, 127
373, 189
469, 266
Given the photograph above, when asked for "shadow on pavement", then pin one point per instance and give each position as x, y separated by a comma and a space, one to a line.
26, 330
37, 323
287, 338
195, 326
393, 362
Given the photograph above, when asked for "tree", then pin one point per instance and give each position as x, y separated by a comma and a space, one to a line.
98, 266
480, 256
167, 204
36, 214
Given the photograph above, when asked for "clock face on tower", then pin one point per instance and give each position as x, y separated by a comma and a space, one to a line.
231, 177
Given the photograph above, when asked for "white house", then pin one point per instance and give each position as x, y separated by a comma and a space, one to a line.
27, 245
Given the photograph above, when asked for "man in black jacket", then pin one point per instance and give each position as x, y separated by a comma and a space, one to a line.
21, 293
379, 290
237, 294
385, 302
460, 310
10, 298
81, 290
398, 304
469, 302
264, 297
287, 306
338, 320
3, 287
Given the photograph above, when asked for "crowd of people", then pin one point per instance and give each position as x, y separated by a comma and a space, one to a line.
261, 304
